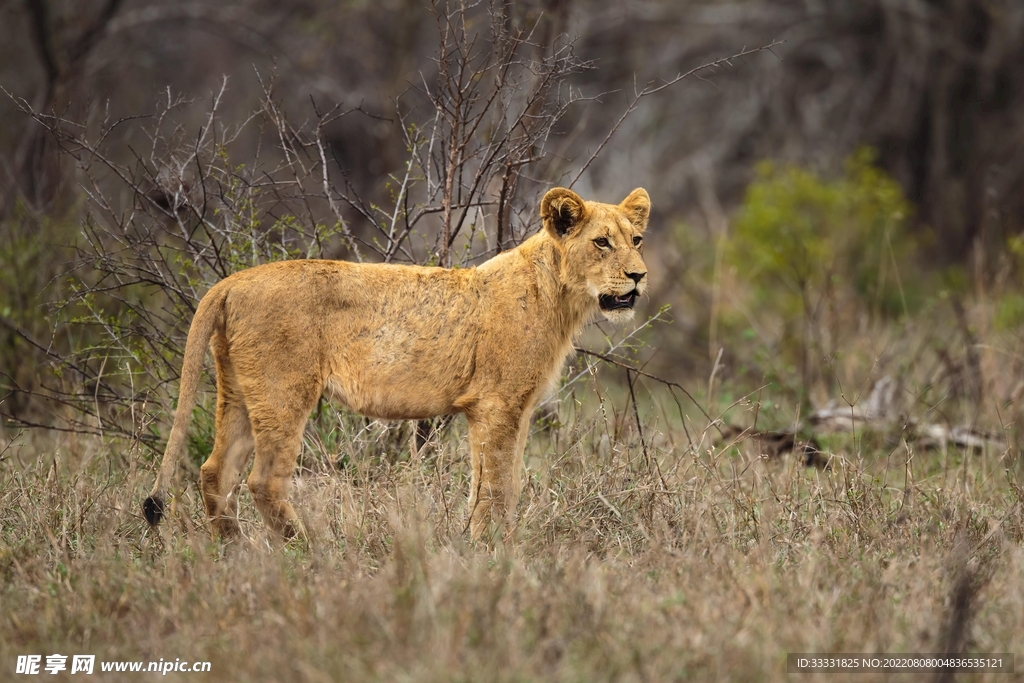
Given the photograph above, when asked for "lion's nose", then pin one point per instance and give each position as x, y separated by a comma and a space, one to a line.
636, 277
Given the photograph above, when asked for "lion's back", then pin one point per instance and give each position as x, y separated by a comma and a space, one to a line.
390, 340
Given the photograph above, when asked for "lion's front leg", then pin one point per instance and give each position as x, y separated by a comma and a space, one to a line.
497, 439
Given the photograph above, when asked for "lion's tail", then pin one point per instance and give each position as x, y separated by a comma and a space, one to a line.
208, 315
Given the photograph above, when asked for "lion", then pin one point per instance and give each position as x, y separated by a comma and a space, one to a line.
401, 342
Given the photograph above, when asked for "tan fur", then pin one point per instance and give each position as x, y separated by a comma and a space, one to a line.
400, 342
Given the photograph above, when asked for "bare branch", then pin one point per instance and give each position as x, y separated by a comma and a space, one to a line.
634, 101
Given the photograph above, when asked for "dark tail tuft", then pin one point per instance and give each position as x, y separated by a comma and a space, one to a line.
153, 508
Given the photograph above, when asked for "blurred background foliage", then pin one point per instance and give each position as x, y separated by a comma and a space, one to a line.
802, 236
864, 175
819, 258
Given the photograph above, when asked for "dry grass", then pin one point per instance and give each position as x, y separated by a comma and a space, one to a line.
699, 562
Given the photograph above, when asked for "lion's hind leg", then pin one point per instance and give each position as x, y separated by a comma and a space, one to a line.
233, 445
279, 414
277, 451
221, 473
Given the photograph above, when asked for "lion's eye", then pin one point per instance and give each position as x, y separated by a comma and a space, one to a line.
602, 242
637, 240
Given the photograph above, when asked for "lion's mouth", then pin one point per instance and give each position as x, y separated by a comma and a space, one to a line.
611, 302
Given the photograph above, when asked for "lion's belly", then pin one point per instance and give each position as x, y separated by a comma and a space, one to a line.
394, 374
391, 396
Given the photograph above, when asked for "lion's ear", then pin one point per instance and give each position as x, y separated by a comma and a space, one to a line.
562, 211
638, 207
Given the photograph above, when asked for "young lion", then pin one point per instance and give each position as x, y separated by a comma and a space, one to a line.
401, 342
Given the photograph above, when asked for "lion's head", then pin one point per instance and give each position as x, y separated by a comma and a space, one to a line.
602, 245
